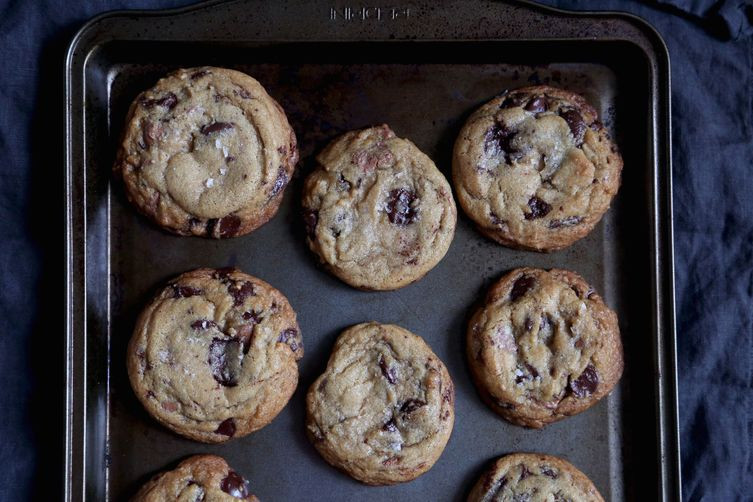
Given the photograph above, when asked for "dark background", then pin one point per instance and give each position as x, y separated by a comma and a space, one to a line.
711, 50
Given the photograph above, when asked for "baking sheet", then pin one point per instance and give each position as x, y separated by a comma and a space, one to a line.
424, 90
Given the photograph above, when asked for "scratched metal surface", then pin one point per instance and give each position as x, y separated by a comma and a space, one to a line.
424, 91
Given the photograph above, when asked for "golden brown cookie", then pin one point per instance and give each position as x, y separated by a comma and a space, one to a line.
383, 410
378, 212
535, 169
207, 152
532, 477
205, 478
214, 355
543, 346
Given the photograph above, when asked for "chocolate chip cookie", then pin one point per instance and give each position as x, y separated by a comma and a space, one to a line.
214, 355
383, 409
535, 169
207, 152
377, 211
543, 346
199, 478
532, 477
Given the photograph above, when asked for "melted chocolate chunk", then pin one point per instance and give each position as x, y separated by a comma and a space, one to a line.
223, 273
211, 223
524, 472
289, 336
566, 222
390, 426
586, 383
498, 141
280, 182
240, 290
575, 122
529, 324
389, 373
521, 286
203, 324
184, 291
411, 405
549, 472
240, 91
216, 127
252, 316
235, 486
512, 101
229, 226
342, 184
311, 218
222, 354
539, 208
497, 489
400, 208
168, 101
226, 428
537, 105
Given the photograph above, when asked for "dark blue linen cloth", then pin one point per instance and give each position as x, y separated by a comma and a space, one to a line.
711, 51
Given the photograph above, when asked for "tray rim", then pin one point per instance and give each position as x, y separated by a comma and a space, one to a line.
663, 270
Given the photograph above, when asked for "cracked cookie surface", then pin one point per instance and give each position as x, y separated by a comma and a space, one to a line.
207, 152
535, 169
532, 477
383, 410
205, 478
543, 346
377, 211
214, 355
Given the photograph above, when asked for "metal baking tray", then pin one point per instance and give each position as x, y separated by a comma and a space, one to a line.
421, 67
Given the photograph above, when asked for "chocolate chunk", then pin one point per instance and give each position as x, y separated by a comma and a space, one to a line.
199, 74
243, 93
586, 383
498, 141
289, 336
521, 286
311, 218
211, 223
203, 324
596, 125
184, 291
280, 182
200, 495
575, 122
226, 428
222, 354
235, 486
496, 221
537, 105
168, 101
549, 472
240, 290
400, 208
539, 208
342, 184
390, 426
223, 273
566, 222
512, 101
525, 373
216, 127
411, 405
529, 324
251, 316
389, 373
498, 487
524, 472
229, 226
